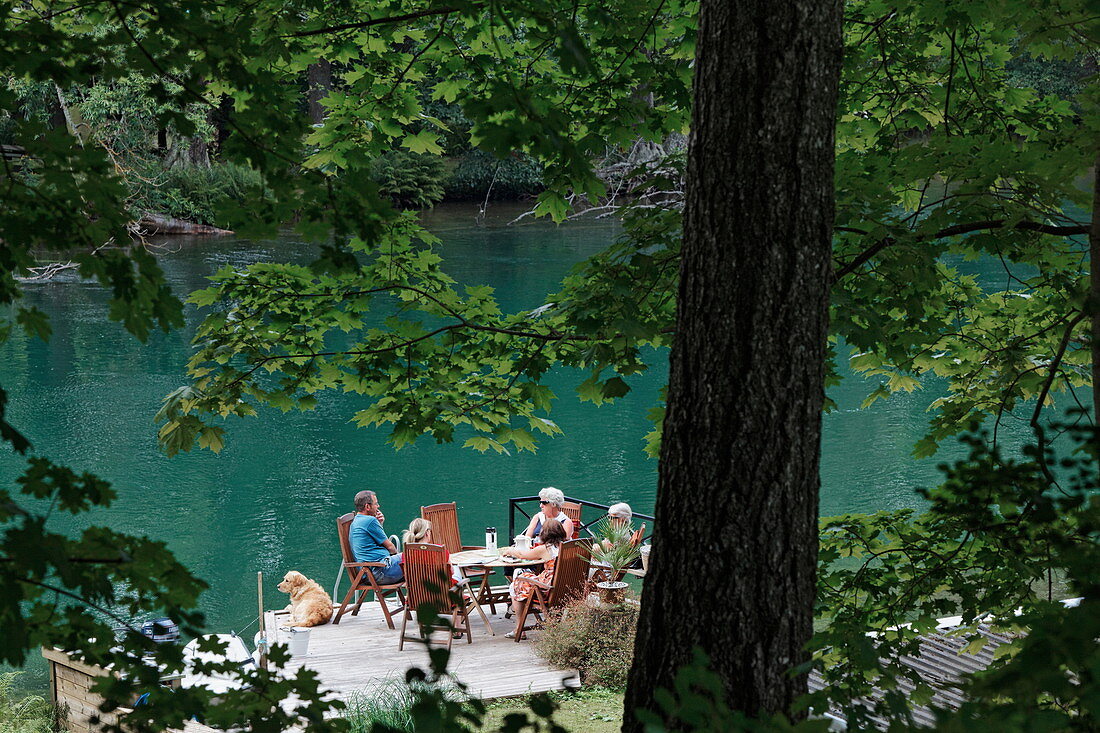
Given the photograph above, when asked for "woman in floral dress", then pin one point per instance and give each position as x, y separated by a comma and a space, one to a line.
550, 539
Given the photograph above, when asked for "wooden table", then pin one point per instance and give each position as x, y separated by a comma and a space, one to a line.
482, 559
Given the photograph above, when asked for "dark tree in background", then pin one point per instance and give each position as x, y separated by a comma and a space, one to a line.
735, 550
319, 78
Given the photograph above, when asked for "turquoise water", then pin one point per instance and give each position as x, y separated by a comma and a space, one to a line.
268, 502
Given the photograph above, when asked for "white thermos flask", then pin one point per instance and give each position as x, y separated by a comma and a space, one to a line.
491, 540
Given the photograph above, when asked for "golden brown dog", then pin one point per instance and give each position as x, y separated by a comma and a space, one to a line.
309, 604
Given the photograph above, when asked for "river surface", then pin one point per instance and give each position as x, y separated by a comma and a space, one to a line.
268, 501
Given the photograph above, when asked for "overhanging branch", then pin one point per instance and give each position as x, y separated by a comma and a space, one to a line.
426, 13
953, 231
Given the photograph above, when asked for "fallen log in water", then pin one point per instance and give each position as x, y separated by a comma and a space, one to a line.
156, 224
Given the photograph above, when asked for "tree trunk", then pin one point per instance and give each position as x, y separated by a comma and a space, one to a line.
319, 76
1094, 290
198, 153
734, 552
220, 118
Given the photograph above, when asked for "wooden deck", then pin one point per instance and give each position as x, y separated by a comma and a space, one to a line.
350, 656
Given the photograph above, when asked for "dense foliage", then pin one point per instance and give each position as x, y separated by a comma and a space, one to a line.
548, 96
30, 714
478, 175
1001, 543
944, 154
193, 193
411, 181
937, 163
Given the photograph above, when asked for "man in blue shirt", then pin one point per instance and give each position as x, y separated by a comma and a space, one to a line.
369, 542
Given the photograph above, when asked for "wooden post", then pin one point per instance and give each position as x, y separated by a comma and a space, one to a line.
263, 626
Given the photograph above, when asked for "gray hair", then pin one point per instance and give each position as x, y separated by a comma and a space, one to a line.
364, 497
553, 496
621, 510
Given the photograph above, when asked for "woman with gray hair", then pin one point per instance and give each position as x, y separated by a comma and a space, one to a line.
550, 504
620, 513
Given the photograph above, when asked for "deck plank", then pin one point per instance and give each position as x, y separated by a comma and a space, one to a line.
350, 658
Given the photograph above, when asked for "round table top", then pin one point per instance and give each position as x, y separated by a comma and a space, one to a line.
481, 558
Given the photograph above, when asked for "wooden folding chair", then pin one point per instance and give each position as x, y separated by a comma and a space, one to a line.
572, 510
362, 579
428, 580
570, 575
444, 519
635, 541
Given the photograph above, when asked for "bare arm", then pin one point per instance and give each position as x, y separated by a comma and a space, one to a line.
530, 531
388, 544
568, 525
535, 553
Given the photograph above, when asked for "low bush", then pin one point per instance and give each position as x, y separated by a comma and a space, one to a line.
516, 177
410, 180
193, 193
386, 704
31, 714
597, 642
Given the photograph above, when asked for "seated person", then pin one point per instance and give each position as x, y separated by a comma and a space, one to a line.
369, 542
550, 503
550, 539
619, 515
420, 530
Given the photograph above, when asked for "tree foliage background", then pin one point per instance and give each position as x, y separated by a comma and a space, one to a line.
951, 145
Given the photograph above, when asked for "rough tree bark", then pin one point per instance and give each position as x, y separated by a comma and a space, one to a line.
734, 552
1094, 290
319, 76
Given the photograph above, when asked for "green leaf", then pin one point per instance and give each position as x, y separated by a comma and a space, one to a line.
34, 322
212, 438
424, 141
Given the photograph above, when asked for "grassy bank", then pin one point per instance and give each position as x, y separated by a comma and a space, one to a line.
592, 710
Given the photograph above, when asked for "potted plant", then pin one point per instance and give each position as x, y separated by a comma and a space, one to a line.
614, 551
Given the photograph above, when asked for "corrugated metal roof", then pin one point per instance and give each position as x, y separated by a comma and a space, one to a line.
942, 664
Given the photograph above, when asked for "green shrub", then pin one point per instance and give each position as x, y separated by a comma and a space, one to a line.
193, 193
410, 180
1061, 78
387, 703
516, 177
31, 714
7, 130
598, 642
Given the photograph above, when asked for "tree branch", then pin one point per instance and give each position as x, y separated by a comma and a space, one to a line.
1055, 365
426, 13
954, 231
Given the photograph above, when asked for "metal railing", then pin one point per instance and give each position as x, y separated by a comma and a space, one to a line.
514, 506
